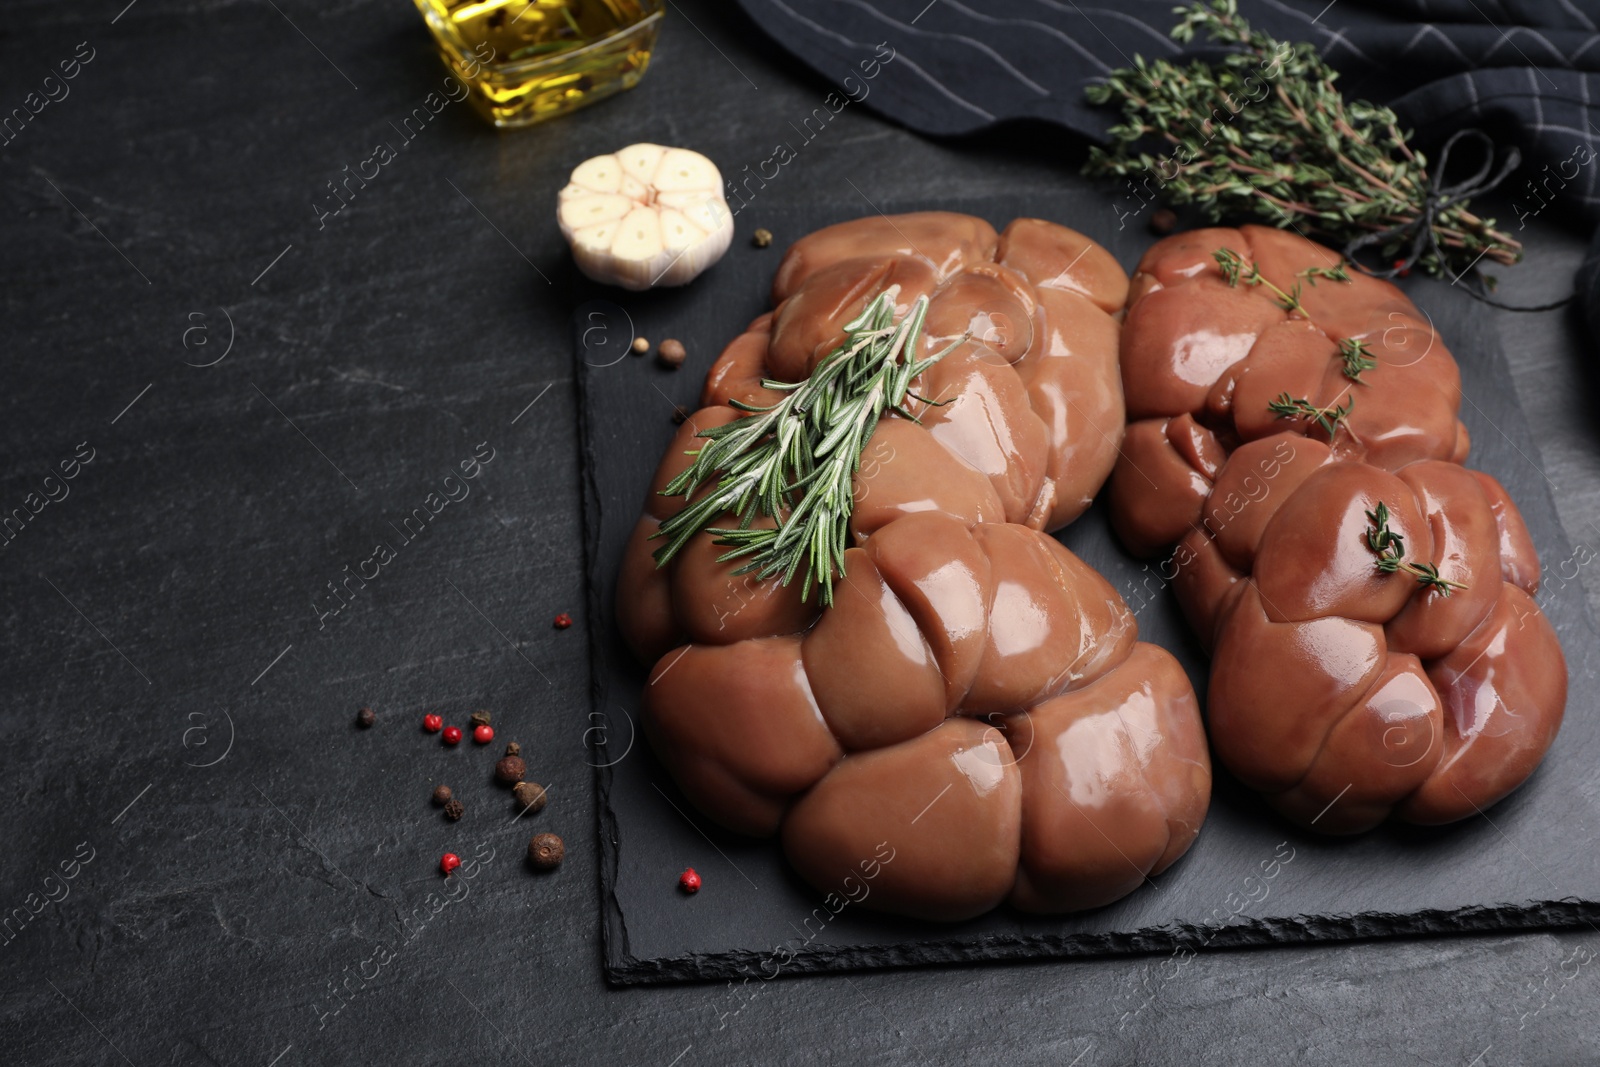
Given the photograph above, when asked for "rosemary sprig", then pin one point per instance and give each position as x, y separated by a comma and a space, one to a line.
796, 460
1329, 418
1354, 353
1391, 550
1265, 132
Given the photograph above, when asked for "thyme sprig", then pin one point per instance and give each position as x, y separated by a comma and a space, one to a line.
1353, 352
1329, 418
1265, 132
1236, 270
1337, 272
795, 461
1391, 549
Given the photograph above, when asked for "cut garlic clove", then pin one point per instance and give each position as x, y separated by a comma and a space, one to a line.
640, 160
577, 213
677, 232
634, 189
645, 216
602, 174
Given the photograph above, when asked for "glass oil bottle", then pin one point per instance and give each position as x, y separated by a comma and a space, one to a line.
525, 61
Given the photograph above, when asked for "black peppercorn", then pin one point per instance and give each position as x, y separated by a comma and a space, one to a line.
441, 795
530, 795
546, 851
511, 767
366, 717
454, 809
1163, 221
680, 415
479, 718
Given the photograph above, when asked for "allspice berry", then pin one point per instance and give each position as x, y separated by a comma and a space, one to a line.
366, 717
454, 810
640, 345
510, 769
1163, 221
479, 718
672, 353
441, 795
761, 238
530, 795
546, 851
680, 415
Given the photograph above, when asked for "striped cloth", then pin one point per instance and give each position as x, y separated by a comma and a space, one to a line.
1525, 71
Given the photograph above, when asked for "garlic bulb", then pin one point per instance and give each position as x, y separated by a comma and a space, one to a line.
645, 216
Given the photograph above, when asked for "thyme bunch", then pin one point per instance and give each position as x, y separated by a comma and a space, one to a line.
1264, 131
795, 461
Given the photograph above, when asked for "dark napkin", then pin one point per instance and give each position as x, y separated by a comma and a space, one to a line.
1525, 71
1589, 287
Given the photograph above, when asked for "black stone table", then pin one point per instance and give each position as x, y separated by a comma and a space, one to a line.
213, 863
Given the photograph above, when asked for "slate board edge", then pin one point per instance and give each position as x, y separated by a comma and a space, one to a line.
613, 923
624, 969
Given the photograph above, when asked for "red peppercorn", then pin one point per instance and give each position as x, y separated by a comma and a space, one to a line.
563, 621
1400, 266
449, 862
689, 880
452, 735
432, 723
483, 733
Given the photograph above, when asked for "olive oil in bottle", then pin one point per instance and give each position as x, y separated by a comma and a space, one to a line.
528, 60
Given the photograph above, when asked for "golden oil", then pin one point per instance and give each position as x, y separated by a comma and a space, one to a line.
528, 60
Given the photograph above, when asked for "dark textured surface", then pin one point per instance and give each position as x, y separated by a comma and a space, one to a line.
221, 906
757, 915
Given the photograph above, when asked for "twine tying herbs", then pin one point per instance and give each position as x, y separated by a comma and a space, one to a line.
1264, 131
1423, 231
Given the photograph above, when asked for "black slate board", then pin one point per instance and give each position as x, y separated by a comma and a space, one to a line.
1250, 878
